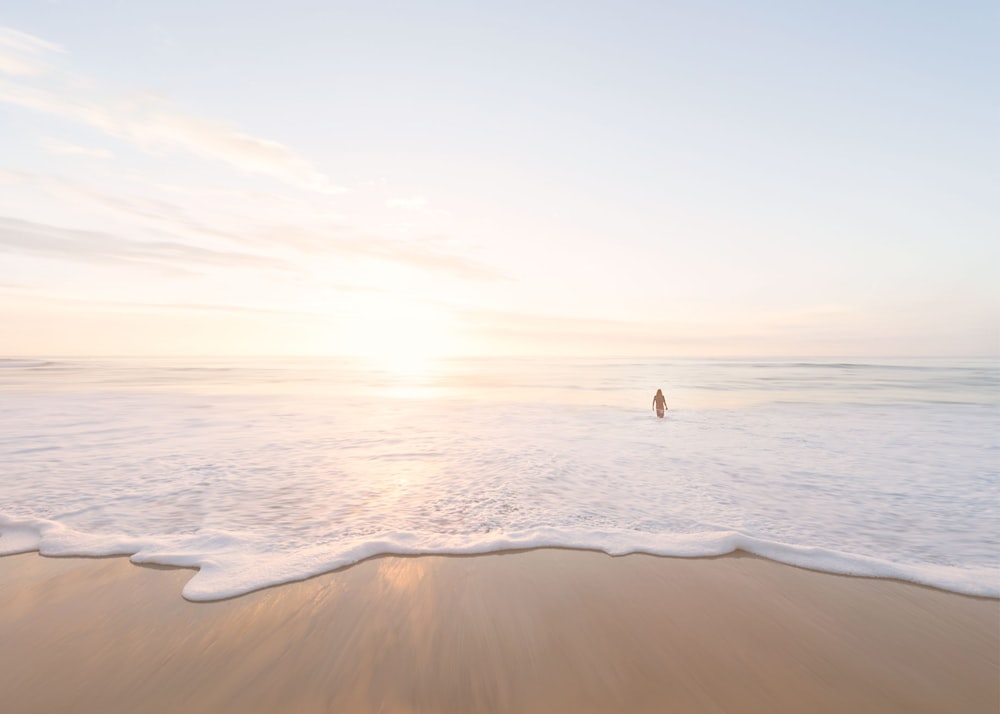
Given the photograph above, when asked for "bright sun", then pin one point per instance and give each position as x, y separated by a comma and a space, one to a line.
396, 336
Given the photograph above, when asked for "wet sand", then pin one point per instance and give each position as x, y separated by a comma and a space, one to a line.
537, 631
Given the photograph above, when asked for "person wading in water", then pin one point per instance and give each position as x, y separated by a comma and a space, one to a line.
659, 403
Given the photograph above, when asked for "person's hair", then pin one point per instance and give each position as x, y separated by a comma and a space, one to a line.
659, 391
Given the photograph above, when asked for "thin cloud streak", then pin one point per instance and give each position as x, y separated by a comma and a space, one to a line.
342, 240
832, 330
160, 214
130, 306
31, 238
147, 121
335, 240
23, 42
18, 65
19, 51
414, 202
62, 148
418, 204
549, 334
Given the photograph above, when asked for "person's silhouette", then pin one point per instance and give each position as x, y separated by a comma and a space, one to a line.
659, 403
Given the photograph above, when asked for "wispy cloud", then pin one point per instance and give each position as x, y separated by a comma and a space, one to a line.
304, 228
62, 148
415, 203
23, 42
412, 202
25, 294
20, 52
137, 306
31, 238
433, 253
144, 120
554, 334
345, 241
155, 213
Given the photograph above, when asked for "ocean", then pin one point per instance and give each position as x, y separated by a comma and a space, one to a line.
265, 471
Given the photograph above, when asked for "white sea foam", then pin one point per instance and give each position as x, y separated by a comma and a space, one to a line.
259, 474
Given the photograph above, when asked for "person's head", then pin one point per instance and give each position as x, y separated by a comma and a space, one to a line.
659, 392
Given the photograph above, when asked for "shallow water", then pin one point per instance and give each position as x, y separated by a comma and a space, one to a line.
265, 471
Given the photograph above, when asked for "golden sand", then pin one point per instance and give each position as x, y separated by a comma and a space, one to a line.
537, 631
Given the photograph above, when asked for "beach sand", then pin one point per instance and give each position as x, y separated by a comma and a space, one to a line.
537, 631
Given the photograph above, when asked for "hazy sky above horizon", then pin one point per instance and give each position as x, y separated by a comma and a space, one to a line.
670, 178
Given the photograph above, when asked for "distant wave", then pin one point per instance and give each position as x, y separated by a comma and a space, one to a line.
6, 363
841, 365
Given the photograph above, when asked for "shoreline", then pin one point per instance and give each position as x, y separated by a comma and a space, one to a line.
210, 582
547, 630
736, 553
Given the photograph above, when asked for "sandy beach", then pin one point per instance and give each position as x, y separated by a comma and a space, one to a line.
536, 631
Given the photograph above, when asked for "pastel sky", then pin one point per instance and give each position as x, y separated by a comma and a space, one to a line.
452, 178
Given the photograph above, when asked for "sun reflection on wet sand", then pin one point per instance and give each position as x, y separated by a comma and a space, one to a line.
401, 574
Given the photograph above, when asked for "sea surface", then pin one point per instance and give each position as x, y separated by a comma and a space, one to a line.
264, 471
